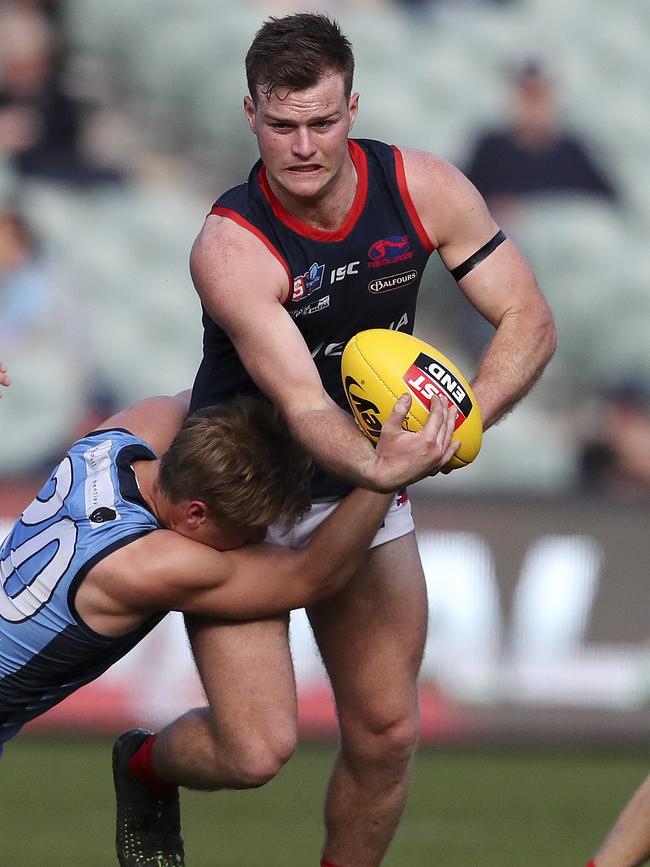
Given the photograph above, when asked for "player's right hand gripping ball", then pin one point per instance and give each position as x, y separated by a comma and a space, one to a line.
379, 365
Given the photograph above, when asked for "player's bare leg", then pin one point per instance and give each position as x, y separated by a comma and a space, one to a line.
628, 843
371, 636
249, 730
240, 741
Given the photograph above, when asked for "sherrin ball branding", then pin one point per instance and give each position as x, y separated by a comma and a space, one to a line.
379, 365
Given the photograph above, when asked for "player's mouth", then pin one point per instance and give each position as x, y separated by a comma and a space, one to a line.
306, 169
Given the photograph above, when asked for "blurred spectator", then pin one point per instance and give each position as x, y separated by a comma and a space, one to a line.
617, 459
39, 297
47, 341
40, 124
533, 154
26, 299
51, 8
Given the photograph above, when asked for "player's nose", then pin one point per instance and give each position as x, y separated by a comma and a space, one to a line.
304, 145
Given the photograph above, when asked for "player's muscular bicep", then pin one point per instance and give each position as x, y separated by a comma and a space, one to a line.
502, 284
261, 580
455, 214
242, 286
253, 581
162, 571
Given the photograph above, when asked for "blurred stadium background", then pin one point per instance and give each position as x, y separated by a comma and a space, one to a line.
536, 557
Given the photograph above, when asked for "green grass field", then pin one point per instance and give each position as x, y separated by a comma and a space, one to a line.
493, 808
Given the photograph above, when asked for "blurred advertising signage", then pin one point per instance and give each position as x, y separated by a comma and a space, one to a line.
533, 605
542, 602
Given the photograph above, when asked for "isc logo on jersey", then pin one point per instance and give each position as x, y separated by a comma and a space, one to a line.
427, 378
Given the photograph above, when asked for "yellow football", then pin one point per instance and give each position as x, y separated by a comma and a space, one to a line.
379, 365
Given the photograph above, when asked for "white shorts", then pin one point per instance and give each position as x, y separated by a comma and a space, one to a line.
398, 522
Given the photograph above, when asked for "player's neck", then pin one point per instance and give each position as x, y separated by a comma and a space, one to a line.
330, 208
146, 475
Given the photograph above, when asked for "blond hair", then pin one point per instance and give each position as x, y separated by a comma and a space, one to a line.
241, 461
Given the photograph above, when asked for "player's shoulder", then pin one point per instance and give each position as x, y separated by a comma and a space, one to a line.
231, 256
228, 226
442, 194
155, 420
229, 239
429, 168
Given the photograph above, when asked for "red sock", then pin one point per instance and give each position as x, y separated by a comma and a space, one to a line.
326, 863
591, 864
142, 768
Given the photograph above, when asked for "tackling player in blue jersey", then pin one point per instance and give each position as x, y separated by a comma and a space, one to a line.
152, 513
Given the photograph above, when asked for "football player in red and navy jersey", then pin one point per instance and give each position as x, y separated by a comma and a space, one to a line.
329, 236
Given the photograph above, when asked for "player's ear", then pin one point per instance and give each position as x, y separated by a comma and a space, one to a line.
196, 513
353, 108
249, 111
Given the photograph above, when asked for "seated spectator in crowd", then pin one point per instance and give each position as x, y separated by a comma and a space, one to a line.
40, 298
52, 9
617, 460
26, 297
534, 154
43, 319
40, 123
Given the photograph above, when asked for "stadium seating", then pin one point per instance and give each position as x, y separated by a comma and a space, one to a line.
429, 81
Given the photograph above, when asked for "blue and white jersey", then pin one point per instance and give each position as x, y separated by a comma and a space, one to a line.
89, 507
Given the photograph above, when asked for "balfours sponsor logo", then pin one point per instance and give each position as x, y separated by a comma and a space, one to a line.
395, 281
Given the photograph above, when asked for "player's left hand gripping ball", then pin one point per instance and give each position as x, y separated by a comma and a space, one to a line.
379, 365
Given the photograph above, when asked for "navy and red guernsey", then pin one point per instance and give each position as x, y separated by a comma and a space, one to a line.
366, 274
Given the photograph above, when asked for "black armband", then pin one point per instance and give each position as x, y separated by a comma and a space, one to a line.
465, 267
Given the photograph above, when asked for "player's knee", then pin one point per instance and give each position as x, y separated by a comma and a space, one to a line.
396, 742
261, 761
258, 754
389, 741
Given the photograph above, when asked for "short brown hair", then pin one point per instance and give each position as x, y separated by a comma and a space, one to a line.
241, 461
295, 51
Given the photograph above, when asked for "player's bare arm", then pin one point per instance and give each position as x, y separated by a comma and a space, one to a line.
164, 571
243, 287
501, 286
156, 420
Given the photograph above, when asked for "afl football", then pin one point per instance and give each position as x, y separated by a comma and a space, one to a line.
379, 365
